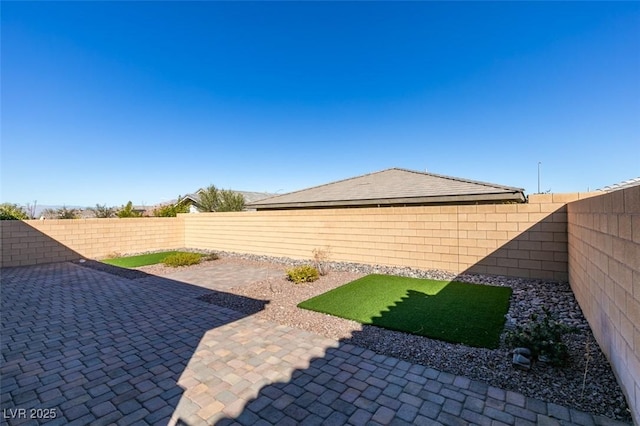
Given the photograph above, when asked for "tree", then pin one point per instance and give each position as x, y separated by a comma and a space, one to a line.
208, 199
65, 213
230, 201
102, 211
49, 214
128, 211
31, 209
10, 211
211, 199
171, 210
61, 213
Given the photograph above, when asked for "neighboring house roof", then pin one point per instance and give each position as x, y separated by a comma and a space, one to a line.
393, 187
248, 195
621, 185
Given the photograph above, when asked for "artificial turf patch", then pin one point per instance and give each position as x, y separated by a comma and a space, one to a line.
452, 311
140, 260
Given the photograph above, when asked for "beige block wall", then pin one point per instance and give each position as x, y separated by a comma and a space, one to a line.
604, 273
526, 240
33, 241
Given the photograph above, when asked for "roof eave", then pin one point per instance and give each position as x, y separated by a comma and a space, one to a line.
466, 198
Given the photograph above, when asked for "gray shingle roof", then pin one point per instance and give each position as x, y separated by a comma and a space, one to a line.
393, 187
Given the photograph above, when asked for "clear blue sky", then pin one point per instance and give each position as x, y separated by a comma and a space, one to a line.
105, 102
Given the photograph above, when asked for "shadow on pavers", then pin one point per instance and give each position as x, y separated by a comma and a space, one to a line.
353, 385
89, 343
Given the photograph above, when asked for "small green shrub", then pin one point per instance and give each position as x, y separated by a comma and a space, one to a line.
303, 274
543, 337
182, 259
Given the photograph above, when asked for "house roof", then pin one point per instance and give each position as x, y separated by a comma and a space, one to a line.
393, 187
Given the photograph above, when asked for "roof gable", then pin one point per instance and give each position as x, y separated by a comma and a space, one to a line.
393, 186
249, 196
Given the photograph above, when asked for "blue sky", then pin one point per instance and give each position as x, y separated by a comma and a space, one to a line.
106, 102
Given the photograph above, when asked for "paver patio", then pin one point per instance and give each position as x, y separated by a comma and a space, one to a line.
101, 349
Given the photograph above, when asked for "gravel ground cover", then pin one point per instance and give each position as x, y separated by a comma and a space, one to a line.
587, 383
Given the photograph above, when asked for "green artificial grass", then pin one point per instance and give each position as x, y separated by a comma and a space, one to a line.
140, 260
452, 311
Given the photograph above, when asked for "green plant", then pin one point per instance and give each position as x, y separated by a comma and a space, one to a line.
208, 199
65, 213
61, 213
303, 274
543, 337
211, 199
137, 260
102, 211
230, 201
10, 211
182, 259
171, 210
128, 211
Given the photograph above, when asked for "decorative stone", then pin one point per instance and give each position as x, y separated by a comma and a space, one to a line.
521, 362
523, 351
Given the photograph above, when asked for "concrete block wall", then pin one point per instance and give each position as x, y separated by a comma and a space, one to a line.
604, 273
33, 241
526, 240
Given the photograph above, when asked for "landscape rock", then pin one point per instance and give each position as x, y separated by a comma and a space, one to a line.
522, 362
525, 352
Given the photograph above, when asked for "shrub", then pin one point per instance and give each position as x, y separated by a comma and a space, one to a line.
303, 274
61, 213
10, 211
102, 211
543, 337
321, 260
230, 201
182, 259
208, 199
128, 211
212, 199
210, 256
171, 210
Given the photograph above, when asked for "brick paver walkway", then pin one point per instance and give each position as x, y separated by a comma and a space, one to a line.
86, 347
222, 277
